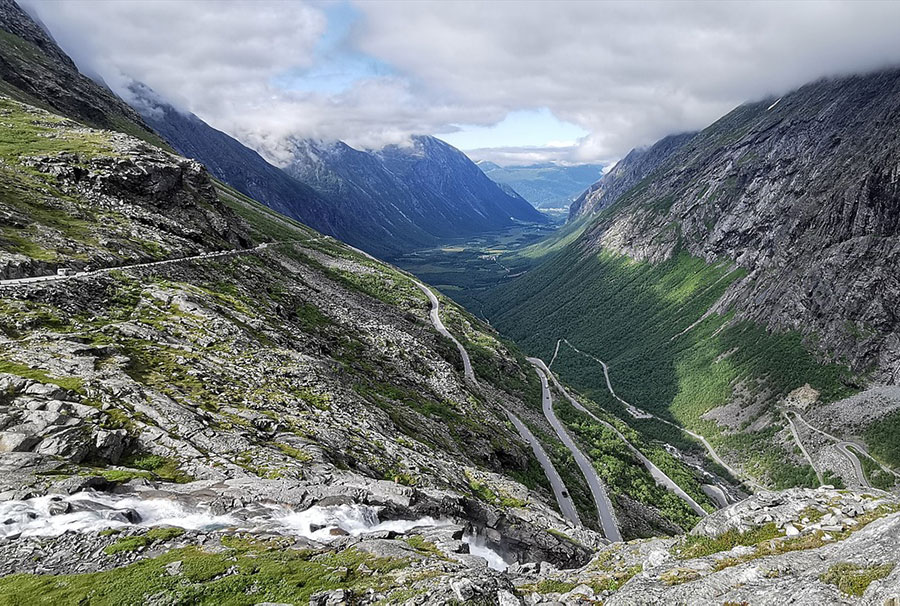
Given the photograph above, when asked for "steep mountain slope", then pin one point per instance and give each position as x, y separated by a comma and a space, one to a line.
303, 360
760, 256
408, 197
110, 181
239, 166
626, 174
385, 202
402, 198
216, 344
545, 185
35, 70
94, 202
441, 171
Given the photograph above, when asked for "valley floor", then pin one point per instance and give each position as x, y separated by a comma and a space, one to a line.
466, 269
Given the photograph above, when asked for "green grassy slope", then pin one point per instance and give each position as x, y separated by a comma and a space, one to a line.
648, 323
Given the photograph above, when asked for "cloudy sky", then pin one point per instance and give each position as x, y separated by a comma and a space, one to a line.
508, 81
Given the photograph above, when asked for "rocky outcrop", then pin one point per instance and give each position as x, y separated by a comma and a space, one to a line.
803, 546
168, 203
48, 420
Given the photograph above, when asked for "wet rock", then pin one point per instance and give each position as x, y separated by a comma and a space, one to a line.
79, 484
388, 548
331, 501
59, 507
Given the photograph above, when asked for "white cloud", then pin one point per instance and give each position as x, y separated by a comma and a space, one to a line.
626, 72
560, 153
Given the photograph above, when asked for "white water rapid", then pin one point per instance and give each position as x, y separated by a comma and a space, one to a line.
51, 516
88, 511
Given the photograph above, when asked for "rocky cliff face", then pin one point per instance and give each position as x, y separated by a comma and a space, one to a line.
68, 191
801, 192
744, 263
627, 173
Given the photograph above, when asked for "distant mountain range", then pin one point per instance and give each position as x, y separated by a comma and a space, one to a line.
385, 202
545, 185
410, 196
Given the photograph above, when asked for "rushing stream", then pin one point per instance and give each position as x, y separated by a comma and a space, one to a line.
51, 516
478, 546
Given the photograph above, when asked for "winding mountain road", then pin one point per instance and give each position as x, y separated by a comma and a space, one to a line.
605, 512
106, 270
658, 475
643, 414
435, 315
802, 448
863, 449
841, 446
563, 496
857, 465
